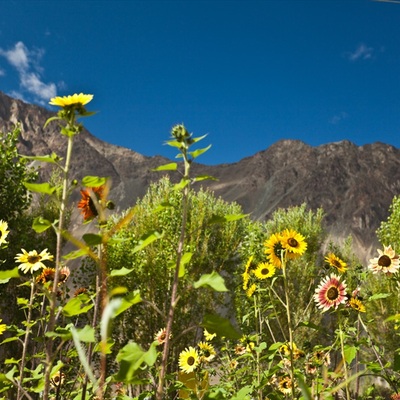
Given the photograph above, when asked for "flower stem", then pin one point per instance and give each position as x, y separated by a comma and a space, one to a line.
346, 374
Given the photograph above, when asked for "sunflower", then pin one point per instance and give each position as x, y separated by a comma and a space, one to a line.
3, 232
250, 291
330, 293
357, 305
285, 385
273, 249
57, 379
209, 336
264, 270
189, 359
70, 101
87, 205
47, 275
32, 261
207, 351
336, 262
161, 336
293, 242
3, 327
387, 262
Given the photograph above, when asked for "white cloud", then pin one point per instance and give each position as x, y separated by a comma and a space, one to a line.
338, 118
362, 52
27, 63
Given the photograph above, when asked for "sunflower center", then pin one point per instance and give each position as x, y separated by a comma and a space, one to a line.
278, 249
191, 360
384, 261
332, 293
336, 264
293, 242
34, 259
265, 271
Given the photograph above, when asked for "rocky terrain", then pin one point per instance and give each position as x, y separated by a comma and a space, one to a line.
353, 184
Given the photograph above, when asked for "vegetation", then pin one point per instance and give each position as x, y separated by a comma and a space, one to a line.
184, 296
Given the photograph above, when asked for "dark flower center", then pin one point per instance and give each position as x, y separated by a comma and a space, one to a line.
293, 242
191, 360
34, 259
384, 261
332, 293
265, 271
278, 249
336, 264
206, 353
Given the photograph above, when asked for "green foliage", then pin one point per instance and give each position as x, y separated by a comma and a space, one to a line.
388, 232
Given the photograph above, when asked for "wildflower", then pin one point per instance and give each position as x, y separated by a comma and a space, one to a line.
296, 353
250, 291
285, 385
64, 274
161, 336
233, 364
209, 336
336, 262
264, 270
70, 101
320, 357
3, 232
207, 351
387, 262
240, 349
330, 293
57, 379
32, 261
189, 359
87, 205
273, 249
293, 242
356, 304
3, 327
247, 270
47, 275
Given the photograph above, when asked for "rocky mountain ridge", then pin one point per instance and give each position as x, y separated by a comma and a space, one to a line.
353, 184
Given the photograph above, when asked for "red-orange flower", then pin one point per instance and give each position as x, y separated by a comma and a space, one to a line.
87, 205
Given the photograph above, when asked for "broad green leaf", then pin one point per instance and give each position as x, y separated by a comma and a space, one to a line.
40, 224
166, 167
181, 185
121, 272
243, 393
350, 353
174, 143
393, 318
108, 314
214, 280
93, 181
204, 178
217, 219
118, 291
131, 357
78, 305
128, 301
52, 158
76, 254
221, 326
45, 188
197, 139
146, 239
92, 239
6, 275
186, 257
379, 296
198, 152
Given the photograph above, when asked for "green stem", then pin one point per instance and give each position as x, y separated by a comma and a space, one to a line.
346, 373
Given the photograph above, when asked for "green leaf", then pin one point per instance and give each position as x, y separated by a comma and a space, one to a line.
146, 239
128, 301
221, 326
243, 393
393, 318
45, 188
78, 305
181, 185
121, 272
93, 181
350, 353
308, 324
186, 257
204, 178
41, 224
214, 280
379, 296
166, 167
92, 239
6, 275
197, 139
174, 143
198, 152
108, 314
218, 219
76, 254
52, 158
131, 357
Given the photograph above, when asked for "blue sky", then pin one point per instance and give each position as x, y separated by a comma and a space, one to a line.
248, 73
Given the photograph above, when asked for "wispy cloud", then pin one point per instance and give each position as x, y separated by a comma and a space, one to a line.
336, 119
362, 52
27, 63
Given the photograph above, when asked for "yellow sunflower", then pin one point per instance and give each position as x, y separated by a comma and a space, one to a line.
32, 261
357, 305
209, 336
3, 231
273, 249
3, 327
189, 359
250, 291
207, 351
293, 242
336, 262
264, 270
285, 385
74, 100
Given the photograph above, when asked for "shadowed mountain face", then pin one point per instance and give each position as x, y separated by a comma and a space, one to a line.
354, 185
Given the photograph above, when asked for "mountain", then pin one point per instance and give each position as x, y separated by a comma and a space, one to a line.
353, 184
